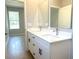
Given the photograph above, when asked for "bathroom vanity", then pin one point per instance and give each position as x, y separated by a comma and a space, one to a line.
44, 45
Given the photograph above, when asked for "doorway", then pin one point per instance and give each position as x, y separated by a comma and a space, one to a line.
16, 21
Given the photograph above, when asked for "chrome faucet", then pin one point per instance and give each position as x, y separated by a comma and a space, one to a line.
40, 27
57, 31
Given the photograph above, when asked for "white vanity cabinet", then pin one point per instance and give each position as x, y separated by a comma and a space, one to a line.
41, 49
38, 47
32, 46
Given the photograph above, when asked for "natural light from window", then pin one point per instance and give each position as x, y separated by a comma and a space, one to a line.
14, 19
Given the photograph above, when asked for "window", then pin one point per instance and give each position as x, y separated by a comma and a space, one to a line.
14, 19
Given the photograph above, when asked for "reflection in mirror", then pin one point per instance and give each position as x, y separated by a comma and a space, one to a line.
54, 17
43, 13
64, 20
60, 14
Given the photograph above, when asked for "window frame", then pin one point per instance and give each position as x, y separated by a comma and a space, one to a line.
13, 20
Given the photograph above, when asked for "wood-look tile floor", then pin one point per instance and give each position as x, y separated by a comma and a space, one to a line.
15, 49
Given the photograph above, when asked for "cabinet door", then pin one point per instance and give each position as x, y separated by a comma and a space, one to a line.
43, 53
43, 50
33, 45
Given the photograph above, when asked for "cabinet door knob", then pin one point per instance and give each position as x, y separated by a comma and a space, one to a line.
40, 51
33, 53
6, 33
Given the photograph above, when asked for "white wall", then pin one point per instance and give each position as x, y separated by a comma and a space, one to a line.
14, 3
64, 20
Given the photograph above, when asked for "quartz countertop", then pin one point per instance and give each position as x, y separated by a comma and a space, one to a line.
51, 36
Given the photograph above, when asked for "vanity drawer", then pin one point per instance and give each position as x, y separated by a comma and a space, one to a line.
31, 36
42, 42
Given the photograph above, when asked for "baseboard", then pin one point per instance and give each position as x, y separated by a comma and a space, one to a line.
21, 34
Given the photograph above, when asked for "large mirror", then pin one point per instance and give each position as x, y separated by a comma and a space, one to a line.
53, 13
43, 13
37, 13
60, 13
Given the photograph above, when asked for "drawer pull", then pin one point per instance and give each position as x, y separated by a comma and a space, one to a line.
33, 53
33, 44
33, 37
40, 51
29, 40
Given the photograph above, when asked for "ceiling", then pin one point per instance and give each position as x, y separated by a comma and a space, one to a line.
21, 0
14, 3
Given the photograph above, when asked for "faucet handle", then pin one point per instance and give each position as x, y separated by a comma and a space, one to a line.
40, 27
54, 30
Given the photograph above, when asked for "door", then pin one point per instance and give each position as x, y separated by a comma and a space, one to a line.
16, 21
6, 26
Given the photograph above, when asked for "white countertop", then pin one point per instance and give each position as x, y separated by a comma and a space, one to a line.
50, 36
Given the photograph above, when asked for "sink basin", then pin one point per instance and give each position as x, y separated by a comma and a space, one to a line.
65, 35
61, 34
50, 34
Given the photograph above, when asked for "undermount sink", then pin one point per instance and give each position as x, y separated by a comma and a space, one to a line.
61, 34
50, 34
